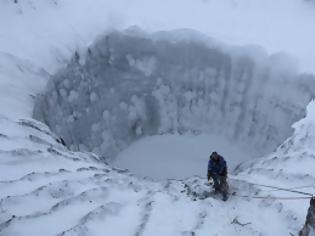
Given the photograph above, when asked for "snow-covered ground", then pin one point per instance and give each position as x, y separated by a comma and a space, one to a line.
45, 189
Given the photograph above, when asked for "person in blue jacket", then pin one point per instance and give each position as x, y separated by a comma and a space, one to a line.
217, 170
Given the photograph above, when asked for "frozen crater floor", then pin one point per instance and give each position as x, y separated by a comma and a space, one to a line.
176, 156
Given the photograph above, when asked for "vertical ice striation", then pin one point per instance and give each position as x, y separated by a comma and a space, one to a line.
129, 85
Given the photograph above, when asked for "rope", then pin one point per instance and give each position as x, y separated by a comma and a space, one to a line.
275, 198
300, 187
307, 195
283, 189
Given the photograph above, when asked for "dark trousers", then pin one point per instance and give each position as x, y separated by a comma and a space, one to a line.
220, 184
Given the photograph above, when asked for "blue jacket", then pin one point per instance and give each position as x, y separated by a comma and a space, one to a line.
217, 167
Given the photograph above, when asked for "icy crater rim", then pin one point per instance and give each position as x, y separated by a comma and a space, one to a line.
127, 86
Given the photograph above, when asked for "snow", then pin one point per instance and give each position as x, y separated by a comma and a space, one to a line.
196, 86
176, 156
47, 189
96, 199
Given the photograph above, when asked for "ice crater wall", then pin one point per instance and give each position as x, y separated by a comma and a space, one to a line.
127, 85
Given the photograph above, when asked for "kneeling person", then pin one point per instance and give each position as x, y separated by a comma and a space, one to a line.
217, 170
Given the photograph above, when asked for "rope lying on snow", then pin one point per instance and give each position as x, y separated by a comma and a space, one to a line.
274, 188
284, 189
273, 198
300, 187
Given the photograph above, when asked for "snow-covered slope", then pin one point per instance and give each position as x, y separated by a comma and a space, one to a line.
291, 166
45, 189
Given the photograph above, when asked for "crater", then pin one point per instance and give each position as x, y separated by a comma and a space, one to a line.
160, 103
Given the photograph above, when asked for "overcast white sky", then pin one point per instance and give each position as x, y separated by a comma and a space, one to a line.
276, 25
